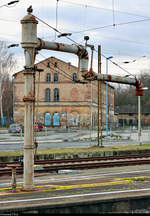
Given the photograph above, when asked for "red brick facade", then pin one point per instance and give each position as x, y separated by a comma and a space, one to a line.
60, 101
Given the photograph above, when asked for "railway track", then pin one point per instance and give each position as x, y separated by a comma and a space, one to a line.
78, 163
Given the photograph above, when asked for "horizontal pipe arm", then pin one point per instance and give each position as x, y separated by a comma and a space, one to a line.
78, 50
117, 79
42, 44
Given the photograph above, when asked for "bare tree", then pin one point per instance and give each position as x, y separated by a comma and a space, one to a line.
7, 62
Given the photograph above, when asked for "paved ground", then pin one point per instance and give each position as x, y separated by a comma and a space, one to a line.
75, 134
74, 186
62, 138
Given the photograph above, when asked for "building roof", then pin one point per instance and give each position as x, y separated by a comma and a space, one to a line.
52, 57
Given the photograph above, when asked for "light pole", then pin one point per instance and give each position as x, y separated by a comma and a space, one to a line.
139, 119
139, 110
107, 95
110, 109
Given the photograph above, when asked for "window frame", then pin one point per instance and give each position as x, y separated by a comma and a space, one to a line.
56, 94
47, 94
74, 77
55, 77
48, 77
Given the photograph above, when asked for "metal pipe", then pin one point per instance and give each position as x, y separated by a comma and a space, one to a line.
117, 79
29, 43
13, 183
139, 121
61, 47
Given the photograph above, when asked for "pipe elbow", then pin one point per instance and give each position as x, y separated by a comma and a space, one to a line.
84, 62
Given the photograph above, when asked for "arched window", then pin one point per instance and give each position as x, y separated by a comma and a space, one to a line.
56, 94
55, 64
47, 94
48, 77
74, 77
55, 77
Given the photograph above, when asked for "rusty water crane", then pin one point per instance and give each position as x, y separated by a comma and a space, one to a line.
31, 44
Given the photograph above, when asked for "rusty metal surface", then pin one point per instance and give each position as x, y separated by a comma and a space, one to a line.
117, 79
77, 163
75, 49
82, 165
28, 99
29, 43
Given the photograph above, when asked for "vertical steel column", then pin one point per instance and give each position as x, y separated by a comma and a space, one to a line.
28, 130
106, 99
107, 95
99, 97
139, 121
29, 43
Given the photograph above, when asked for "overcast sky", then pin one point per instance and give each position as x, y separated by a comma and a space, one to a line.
121, 27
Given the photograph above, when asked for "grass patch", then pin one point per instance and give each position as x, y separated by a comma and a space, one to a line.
74, 150
140, 179
92, 149
11, 153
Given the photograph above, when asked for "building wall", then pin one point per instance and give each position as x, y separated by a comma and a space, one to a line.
77, 105
128, 119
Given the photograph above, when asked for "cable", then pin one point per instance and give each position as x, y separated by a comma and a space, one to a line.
94, 49
10, 3
78, 44
119, 66
129, 41
116, 64
110, 25
62, 71
107, 9
66, 75
54, 29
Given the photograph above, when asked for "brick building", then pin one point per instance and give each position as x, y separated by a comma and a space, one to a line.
60, 101
128, 115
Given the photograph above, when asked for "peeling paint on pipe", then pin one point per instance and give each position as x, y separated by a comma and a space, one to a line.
117, 79
78, 50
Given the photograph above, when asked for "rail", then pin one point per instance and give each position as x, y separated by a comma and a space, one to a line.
80, 163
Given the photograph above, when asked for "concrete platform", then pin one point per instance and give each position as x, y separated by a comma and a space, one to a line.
121, 190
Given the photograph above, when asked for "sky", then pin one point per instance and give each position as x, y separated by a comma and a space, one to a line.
121, 27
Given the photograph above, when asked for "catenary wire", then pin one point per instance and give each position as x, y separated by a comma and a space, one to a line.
67, 75
112, 25
78, 44
107, 9
55, 29
77, 103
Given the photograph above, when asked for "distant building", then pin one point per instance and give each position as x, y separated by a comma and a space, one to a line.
60, 101
128, 115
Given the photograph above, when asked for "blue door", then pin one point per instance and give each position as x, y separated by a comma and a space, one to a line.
56, 119
47, 119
